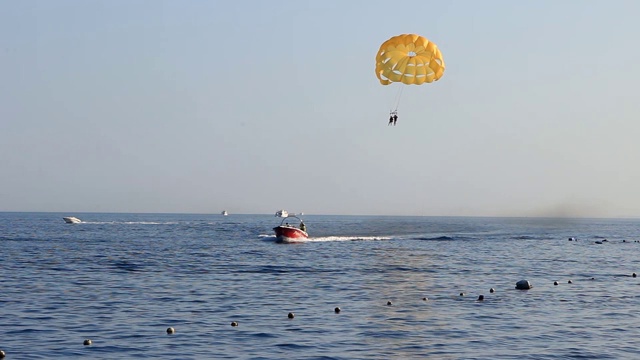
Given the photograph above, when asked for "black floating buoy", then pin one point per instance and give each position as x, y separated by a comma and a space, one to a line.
555, 283
492, 290
569, 282
481, 298
87, 342
2, 354
171, 330
290, 315
389, 303
424, 299
461, 294
593, 278
336, 310
634, 275
523, 285
234, 323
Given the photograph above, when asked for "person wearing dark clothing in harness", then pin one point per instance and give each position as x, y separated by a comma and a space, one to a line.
393, 118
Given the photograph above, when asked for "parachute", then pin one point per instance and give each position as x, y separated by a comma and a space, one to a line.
408, 59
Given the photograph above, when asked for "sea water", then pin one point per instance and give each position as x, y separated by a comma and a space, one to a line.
407, 288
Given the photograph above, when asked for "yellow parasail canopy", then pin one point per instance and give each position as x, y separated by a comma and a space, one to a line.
409, 59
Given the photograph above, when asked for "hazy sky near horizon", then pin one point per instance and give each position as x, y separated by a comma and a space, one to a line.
255, 106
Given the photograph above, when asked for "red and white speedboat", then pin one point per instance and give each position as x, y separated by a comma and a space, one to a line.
286, 233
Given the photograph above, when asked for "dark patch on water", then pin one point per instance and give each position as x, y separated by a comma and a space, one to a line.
127, 266
437, 238
264, 335
523, 237
294, 346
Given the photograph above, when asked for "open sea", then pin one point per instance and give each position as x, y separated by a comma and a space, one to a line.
407, 288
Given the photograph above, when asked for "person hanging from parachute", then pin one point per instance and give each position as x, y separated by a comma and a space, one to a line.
393, 118
409, 59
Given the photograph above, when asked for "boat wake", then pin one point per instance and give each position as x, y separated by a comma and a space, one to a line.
350, 238
130, 222
333, 238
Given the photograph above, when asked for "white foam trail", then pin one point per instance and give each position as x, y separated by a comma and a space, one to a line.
129, 222
349, 238
332, 238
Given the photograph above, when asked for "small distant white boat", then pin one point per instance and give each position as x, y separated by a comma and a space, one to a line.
224, 213
282, 213
71, 220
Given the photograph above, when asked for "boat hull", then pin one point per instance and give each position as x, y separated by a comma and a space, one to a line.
289, 234
71, 220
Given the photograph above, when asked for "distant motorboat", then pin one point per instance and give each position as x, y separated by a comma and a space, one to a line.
282, 213
224, 213
71, 220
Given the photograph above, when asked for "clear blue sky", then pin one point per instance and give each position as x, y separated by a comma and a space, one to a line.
254, 106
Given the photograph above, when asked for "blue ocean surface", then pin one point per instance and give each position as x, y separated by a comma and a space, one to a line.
407, 288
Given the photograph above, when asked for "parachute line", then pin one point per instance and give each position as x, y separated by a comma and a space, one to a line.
398, 97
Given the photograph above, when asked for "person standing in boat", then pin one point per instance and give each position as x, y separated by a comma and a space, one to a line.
303, 227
